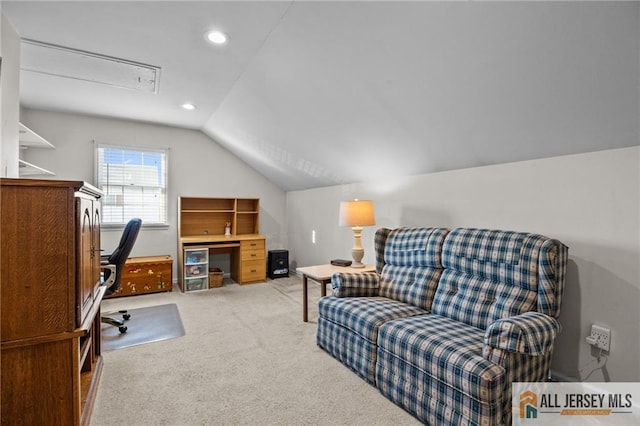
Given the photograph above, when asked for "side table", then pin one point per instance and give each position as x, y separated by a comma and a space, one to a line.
322, 275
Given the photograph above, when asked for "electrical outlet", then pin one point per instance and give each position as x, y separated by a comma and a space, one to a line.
600, 337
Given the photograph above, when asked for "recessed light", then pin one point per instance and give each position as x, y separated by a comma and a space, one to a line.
188, 106
216, 37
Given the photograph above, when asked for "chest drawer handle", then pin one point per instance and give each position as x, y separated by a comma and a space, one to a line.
253, 270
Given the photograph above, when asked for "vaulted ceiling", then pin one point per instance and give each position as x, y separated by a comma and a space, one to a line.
321, 93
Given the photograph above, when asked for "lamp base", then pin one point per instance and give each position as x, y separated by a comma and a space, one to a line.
357, 253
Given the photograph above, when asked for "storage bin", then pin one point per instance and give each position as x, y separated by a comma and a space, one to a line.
196, 269
215, 277
194, 284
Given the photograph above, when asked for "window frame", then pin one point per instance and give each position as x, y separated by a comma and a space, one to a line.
136, 149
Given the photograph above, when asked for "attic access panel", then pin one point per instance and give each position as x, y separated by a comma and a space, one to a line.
51, 59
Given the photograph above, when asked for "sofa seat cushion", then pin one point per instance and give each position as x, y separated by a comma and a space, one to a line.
348, 329
364, 315
443, 350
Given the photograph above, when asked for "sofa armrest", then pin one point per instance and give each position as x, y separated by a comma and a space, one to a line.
355, 284
531, 333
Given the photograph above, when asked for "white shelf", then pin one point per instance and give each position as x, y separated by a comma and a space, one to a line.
28, 169
29, 138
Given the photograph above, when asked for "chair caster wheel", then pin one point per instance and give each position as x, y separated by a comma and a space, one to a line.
122, 329
126, 317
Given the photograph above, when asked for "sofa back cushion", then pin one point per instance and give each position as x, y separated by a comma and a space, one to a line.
493, 274
410, 263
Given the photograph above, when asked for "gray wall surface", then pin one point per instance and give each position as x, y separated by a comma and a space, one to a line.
197, 167
590, 202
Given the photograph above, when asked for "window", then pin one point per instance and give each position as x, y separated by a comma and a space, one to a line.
134, 182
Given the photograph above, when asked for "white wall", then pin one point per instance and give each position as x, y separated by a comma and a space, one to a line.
197, 167
590, 202
9, 98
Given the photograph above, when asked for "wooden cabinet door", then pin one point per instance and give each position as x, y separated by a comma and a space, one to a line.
37, 261
85, 257
95, 238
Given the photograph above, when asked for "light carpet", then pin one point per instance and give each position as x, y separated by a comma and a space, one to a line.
247, 359
146, 325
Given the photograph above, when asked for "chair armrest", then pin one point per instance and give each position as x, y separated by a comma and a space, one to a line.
530, 333
112, 276
355, 284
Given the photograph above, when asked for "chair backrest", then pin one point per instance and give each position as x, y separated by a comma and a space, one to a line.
121, 253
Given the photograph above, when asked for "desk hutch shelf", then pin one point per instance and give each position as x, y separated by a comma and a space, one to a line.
202, 222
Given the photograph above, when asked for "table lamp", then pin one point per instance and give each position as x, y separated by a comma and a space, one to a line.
356, 214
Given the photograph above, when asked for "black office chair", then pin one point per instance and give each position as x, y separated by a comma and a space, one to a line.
113, 264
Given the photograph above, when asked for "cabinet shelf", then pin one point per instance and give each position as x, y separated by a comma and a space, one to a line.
29, 138
28, 169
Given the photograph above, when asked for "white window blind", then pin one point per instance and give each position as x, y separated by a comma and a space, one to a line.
134, 182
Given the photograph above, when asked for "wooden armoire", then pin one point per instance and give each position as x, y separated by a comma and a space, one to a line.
50, 301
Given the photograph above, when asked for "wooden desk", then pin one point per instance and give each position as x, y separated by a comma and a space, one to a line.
322, 275
247, 251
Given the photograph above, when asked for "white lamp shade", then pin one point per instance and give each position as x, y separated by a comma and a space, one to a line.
357, 213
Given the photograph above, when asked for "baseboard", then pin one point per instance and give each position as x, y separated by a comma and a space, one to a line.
556, 376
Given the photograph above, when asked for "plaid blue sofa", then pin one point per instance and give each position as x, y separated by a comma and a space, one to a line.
449, 319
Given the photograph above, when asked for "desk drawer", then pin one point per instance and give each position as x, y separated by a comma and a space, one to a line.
252, 245
253, 270
252, 250
246, 255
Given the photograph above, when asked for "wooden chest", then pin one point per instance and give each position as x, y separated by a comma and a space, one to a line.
143, 275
